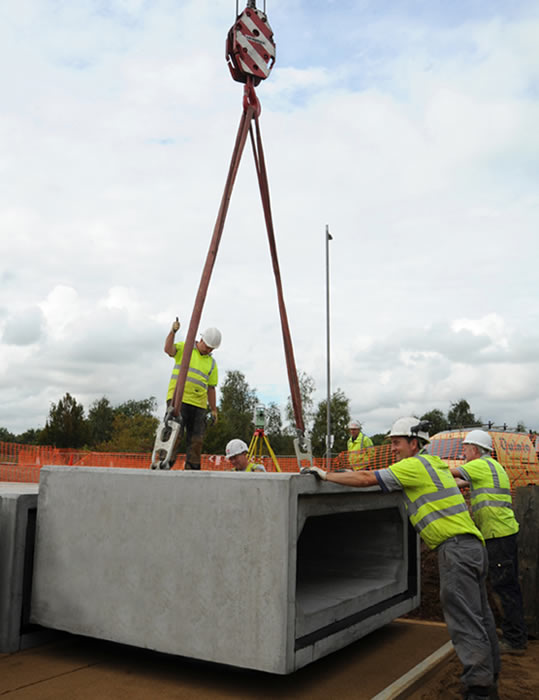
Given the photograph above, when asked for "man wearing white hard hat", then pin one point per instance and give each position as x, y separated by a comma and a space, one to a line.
199, 391
492, 511
357, 442
438, 511
236, 453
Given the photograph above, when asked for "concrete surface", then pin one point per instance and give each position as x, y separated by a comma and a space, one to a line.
18, 507
268, 572
87, 669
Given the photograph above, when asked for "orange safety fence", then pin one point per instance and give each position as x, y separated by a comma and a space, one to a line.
23, 462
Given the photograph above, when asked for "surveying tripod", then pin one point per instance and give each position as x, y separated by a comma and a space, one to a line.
256, 445
250, 50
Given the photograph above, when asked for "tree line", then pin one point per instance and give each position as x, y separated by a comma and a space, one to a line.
131, 426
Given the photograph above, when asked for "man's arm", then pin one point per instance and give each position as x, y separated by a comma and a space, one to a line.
459, 478
212, 402
170, 346
359, 479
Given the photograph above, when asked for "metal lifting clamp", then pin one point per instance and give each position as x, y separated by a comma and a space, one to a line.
168, 434
250, 53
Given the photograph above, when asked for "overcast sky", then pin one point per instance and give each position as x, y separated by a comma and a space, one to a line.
409, 126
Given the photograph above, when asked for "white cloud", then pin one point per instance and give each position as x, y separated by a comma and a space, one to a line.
412, 135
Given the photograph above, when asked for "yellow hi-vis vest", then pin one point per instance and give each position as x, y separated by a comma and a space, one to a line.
201, 374
356, 459
435, 505
490, 491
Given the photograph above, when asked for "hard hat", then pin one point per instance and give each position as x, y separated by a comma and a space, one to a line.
354, 425
410, 427
212, 337
480, 438
235, 447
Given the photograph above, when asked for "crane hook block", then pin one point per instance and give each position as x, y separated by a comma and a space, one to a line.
250, 49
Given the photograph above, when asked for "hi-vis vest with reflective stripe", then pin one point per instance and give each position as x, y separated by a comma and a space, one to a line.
490, 492
201, 374
355, 458
435, 505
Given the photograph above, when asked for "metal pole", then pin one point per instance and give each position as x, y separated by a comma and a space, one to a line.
328, 411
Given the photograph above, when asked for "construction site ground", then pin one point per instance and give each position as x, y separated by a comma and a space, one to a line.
77, 668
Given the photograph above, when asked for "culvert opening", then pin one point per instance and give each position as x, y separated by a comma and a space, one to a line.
347, 563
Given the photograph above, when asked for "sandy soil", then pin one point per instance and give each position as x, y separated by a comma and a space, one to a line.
519, 678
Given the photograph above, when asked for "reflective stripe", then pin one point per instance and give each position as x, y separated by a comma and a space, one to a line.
439, 495
437, 514
432, 473
196, 381
492, 489
490, 504
195, 371
493, 471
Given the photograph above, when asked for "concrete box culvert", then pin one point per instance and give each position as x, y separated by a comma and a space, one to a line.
261, 571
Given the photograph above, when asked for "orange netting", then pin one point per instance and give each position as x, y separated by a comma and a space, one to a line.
24, 462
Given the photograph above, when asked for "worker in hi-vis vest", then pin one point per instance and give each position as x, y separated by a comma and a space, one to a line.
492, 511
438, 511
357, 442
199, 391
236, 453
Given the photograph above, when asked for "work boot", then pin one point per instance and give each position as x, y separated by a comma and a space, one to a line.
494, 693
506, 648
478, 692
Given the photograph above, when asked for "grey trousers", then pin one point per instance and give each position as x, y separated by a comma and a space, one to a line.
463, 565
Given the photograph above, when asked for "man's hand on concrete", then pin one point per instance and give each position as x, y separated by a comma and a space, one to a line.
175, 325
320, 473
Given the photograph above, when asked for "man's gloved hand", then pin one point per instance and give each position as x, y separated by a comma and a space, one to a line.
320, 473
175, 325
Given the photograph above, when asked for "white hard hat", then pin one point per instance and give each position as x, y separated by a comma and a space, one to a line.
480, 438
409, 427
235, 447
212, 337
354, 424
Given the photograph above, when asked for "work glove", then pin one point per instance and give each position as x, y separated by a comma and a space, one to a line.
175, 326
320, 473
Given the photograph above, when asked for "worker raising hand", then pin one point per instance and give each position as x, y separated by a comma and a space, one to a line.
175, 325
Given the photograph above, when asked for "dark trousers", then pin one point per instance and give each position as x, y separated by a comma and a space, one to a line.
194, 425
463, 565
503, 574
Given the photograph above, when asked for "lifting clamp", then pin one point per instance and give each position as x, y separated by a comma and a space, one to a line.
250, 53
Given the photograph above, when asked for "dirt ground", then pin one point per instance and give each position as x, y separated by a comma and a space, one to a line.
519, 677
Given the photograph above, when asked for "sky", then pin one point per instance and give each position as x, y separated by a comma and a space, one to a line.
409, 127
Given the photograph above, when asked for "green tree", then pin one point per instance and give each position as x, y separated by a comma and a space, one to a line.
437, 420
340, 417
132, 408
6, 436
32, 436
236, 409
307, 388
281, 443
460, 415
65, 426
237, 404
131, 434
378, 438
100, 421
